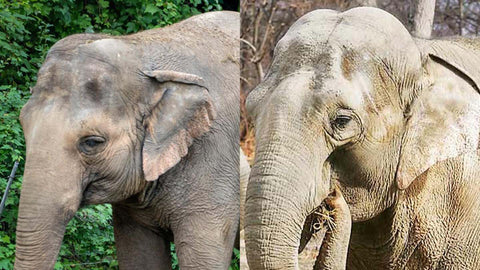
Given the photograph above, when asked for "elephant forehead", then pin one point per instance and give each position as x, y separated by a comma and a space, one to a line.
109, 50
54, 77
360, 29
355, 25
356, 92
97, 84
302, 54
55, 123
64, 71
78, 81
304, 45
98, 108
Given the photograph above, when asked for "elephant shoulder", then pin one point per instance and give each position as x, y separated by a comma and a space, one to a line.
462, 54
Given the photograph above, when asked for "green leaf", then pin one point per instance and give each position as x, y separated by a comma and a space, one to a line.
89, 29
5, 239
151, 8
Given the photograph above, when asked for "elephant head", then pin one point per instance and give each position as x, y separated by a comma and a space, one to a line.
106, 116
350, 100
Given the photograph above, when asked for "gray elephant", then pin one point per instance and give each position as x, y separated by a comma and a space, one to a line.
244, 174
148, 122
353, 105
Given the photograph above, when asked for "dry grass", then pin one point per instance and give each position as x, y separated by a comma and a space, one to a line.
248, 145
323, 217
247, 133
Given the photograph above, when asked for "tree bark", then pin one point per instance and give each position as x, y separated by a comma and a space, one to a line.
460, 3
366, 3
423, 18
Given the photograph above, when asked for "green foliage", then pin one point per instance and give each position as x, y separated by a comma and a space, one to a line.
235, 263
88, 241
28, 28
11, 148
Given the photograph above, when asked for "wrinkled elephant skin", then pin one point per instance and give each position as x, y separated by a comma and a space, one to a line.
147, 122
352, 101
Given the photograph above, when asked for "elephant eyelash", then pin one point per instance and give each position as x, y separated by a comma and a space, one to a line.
341, 121
91, 145
345, 126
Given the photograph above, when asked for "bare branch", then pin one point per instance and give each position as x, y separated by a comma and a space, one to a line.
460, 22
249, 44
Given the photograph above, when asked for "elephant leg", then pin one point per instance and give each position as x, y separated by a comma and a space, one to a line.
334, 249
204, 242
137, 246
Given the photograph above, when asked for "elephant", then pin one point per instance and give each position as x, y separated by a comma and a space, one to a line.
379, 129
147, 122
244, 174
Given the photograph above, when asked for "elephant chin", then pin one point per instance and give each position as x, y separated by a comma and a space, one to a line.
93, 194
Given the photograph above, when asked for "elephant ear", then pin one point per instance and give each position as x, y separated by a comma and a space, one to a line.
182, 112
459, 55
443, 120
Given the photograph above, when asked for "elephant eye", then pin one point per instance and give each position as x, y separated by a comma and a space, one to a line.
91, 144
341, 121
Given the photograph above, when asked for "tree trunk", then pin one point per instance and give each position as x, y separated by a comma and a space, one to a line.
366, 3
423, 18
460, 3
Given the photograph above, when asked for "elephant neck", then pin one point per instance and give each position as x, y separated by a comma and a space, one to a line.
387, 240
378, 242
145, 198
420, 223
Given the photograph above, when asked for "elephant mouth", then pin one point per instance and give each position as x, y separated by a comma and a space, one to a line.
317, 223
320, 219
87, 194
91, 191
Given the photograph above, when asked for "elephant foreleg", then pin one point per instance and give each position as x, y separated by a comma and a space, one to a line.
137, 246
204, 242
333, 252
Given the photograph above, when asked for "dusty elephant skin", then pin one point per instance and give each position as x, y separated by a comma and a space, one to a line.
244, 174
147, 122
353, 101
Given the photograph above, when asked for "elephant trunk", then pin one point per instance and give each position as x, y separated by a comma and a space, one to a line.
48, 201
287, 180
284, 187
